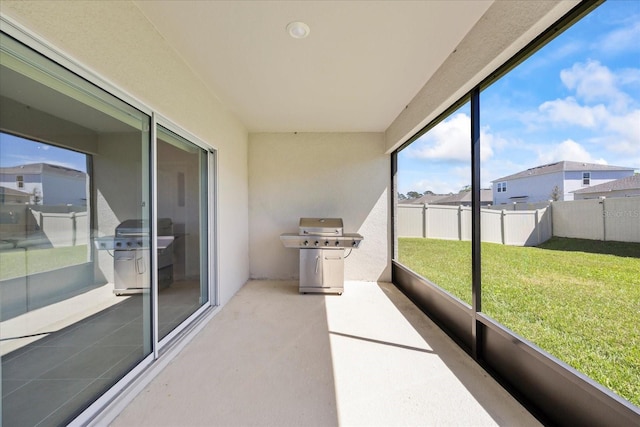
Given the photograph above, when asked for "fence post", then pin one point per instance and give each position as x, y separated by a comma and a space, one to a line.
537, 219
550, 216
460, 222
27, 216
503, 229
604, 219
424, 221
74, 227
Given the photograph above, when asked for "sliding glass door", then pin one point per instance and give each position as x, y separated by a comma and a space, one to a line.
75, 306
182, 204
93, 214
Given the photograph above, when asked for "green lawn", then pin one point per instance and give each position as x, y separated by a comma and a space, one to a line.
22, 262
577, 299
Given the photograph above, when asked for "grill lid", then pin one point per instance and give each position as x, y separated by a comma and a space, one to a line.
321, 226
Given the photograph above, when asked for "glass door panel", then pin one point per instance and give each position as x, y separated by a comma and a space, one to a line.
75, 312
182, 230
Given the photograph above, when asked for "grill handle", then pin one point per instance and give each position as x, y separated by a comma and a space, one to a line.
317, 263
336, 232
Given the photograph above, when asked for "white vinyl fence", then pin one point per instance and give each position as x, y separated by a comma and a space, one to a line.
57, 226
616, 219
520, 228
64, 229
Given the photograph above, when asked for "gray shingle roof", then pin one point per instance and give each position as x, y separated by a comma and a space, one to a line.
11, 192
427, 198
486, 196
629, 183
563, 166
36, 168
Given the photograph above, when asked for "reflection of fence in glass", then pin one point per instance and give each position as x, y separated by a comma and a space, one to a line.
614, 219
46, 226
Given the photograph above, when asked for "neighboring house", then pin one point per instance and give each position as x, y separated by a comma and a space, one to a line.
46, 184
463, 198
624, 187
555, 181
427, 199
9, 196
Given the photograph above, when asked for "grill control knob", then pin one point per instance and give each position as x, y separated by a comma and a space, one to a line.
337, 243
354, 243
326, 243
306, 243
317, 243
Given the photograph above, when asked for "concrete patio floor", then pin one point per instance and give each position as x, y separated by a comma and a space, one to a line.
273, 357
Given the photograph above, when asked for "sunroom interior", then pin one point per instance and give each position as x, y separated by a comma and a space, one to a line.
234, 129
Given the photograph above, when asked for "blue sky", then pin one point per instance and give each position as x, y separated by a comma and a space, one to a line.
16, 151
578, 98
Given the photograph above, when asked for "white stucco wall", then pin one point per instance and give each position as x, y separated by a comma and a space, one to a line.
116, 42
344, 175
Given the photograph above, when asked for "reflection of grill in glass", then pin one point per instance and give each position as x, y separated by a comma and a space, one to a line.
131, 255
322, 243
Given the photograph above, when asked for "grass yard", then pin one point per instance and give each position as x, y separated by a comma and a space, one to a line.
577, 299
22, 262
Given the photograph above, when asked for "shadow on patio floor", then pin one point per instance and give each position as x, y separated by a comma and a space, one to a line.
369, 357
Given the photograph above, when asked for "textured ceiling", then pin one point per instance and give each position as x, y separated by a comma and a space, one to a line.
357, 70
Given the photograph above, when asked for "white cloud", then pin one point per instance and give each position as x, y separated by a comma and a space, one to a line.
620, 132
629, 76
600, 106
625, 131
438, 186
624, 39
594, 82
569, 111
567, 150
450, 140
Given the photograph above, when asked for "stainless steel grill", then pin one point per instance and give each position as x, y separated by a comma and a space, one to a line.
131, 258
322, 244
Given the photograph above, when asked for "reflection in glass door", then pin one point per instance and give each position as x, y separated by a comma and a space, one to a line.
75, 307
182, 230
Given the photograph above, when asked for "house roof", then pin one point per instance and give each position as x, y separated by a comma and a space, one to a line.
563, 166
629, 183
486, 195
12, 192
429, 198
36, 168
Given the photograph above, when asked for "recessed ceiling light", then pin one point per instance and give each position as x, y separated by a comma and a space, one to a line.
298, 30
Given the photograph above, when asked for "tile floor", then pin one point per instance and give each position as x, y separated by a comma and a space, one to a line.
50, 378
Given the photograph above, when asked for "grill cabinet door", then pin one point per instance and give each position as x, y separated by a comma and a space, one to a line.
333, 268
311, 267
